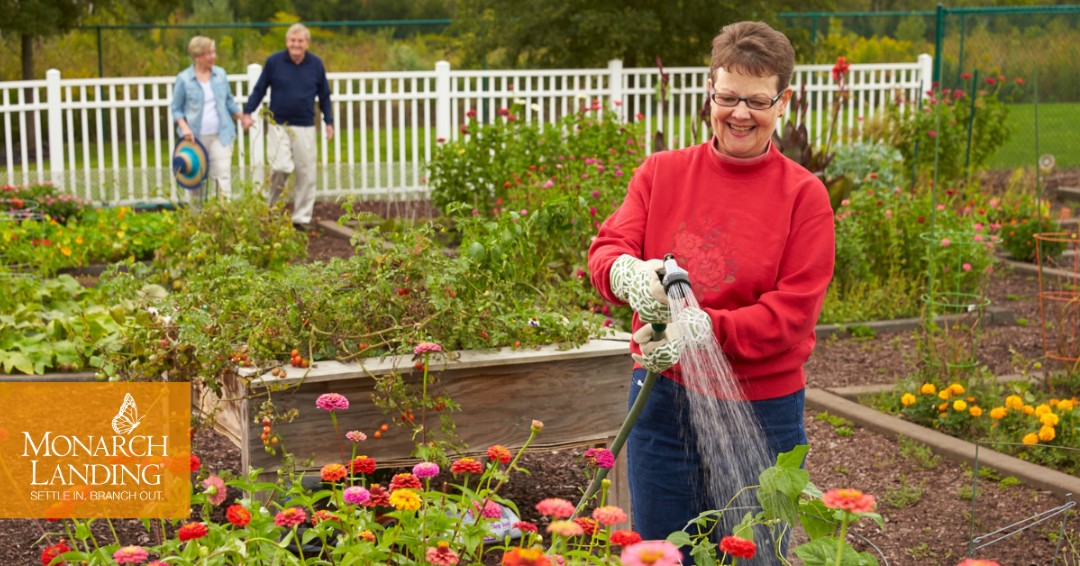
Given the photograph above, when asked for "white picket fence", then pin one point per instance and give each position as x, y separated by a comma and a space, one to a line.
110, 140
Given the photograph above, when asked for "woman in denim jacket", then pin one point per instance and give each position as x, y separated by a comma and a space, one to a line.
204, 109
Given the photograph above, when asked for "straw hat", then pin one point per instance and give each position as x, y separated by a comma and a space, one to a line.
190, 164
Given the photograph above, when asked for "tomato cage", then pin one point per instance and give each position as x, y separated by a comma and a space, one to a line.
1059, 294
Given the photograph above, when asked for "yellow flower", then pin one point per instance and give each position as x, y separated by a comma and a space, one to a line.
65, 250
1042, 410
959, 406
78, 240
1031, 438
928, 389
944, 394
942, 408
405, 499
1028, 409
956, 389
367, 535
120, 235
1066, 405
1014, 402
907, 400
1046, 433
1048, 419
976, 411
998, 413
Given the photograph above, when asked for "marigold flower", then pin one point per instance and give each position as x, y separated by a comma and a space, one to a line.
356, 495
441, 554
405, 481
332, 402
651, 553
499, 453
851, 500
609, 515
959, 406
565, 528
466, 466
1047, 433
1028, 410
555, 508
600, 458
333, 472
944, 394
362, 465
738, 547
215, 489
405, 500
238, 515
1049, 419
928, 389
1042, 410
624, 538
1066, 405
192, 531
975, 411
290, 517
956, 389
131, 555
525, 557
425, 470
998, 413
907, 400
524, 526
1014, 402
1031, 438
54, 551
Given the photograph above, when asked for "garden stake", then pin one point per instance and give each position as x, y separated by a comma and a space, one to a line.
674, 275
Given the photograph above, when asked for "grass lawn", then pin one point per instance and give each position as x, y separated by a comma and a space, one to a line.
1059, 134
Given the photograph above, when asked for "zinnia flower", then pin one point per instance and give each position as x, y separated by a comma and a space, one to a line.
238, 515
555, 508
441, 554
362, 465
651, 553
565, 528
609, 515
367, 535
738, 547
600, 457
977, 562
322, 515
379, 496
356, 495
851, 500
405, 500
525, 557
425, 470
425, 347
333, 472
290, 517
54, 551
489, 510
405, 481
332, 402
196, 463
624, 538
466, 466
131, 555
499, 453
588, 526
215, 489
191, 531
524, 526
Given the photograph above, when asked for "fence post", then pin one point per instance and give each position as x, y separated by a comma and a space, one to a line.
442, 100
256, 147
926, 73
53, 98
615, 86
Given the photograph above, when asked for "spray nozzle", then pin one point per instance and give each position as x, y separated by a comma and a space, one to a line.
674, 275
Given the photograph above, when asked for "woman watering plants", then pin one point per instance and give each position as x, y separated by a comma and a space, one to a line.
754, 231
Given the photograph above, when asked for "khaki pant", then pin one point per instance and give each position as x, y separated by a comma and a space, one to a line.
220, 170
288, 149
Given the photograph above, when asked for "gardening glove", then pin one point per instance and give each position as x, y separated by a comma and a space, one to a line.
692, 328
638, 284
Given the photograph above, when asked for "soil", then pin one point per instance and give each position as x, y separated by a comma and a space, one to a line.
925, 501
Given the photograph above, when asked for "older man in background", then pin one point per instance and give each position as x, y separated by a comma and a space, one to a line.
296, 78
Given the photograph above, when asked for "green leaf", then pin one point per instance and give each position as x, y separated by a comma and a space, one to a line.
679, 538
16, 360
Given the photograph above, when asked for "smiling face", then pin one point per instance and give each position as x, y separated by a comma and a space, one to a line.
296, 43
740, 131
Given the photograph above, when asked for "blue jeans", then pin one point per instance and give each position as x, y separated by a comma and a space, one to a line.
667, 476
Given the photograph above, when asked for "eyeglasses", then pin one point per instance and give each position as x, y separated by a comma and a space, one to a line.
753, 102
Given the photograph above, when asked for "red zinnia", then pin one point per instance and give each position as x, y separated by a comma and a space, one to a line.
192, 531
466, 466
588, 525
290, 517
525, 526
238, 515
378, 496
53, 552
362, 465
624, 538
332, 472
499, 453
525, 557
195, 463
738, 547
405, 481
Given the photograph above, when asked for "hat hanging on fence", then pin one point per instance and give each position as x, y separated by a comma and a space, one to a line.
189, 164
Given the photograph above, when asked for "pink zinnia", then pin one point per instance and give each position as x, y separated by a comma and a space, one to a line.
565, 528
441, 555
651, 553
356, 436
490, 509
851, 500
425, 470
332, 402
356, 495
600, 457
290, 517
215, 489
609, 515
977, 562
555, 507
131, 555
425, 347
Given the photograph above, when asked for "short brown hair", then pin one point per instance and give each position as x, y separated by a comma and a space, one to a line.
753, 48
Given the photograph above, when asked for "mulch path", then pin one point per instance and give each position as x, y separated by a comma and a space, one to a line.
926, 502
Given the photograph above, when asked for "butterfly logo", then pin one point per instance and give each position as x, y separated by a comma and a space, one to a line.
128, 418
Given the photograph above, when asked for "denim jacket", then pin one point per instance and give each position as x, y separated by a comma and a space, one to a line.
188, 102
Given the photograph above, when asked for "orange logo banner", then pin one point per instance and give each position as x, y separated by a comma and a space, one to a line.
95, 450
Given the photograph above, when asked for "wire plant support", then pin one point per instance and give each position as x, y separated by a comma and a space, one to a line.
16, 267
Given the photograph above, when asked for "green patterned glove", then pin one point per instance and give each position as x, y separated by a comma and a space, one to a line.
637, 283
692, 329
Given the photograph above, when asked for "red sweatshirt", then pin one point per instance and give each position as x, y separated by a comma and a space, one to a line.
756, 238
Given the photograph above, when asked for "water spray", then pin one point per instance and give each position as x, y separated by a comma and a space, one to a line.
674, 277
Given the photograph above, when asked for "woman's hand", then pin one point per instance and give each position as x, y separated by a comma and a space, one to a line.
185, 132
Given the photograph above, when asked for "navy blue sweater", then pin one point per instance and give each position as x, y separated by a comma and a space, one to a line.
295, 88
